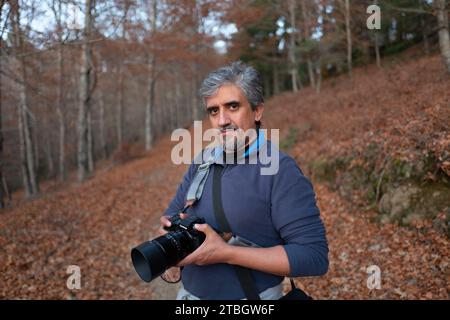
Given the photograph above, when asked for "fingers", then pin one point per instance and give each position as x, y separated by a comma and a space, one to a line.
188, 260
203, 227
161, 231
165, 222
172, 274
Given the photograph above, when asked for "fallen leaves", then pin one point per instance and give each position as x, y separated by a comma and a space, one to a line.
95, 225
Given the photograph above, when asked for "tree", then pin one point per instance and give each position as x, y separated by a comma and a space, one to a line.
85, 90
25, 133
151, 82
444, 39
349, 36
292, 46
306, 37
57, 12
2, 204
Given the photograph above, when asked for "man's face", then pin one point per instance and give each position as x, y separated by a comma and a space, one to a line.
231, 113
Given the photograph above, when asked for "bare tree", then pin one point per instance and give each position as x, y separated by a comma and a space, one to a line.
276, 79
57, 12
2, 192
90, 143
121, 98
292, 47
377, 45
151, 83
444, 39
101, 110
85, 92
306, 35
25, 133
196, 16
349, 36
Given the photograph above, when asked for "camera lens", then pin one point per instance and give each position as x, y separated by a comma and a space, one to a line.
152, 258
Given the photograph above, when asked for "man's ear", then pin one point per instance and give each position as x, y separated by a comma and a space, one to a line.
259, 112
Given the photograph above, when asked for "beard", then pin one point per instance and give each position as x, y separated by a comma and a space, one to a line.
235, 140
232, 143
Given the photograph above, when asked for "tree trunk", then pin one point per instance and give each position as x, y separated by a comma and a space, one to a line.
85, 94
178, 112
196, 65
319, 78
61, 117
291, 54
5, 192
423, 26
349, 37
119, 114
377, 50
306, 35
62, 146
150, 104
195, 98
377, 45
57, 12
170, 98
23, 155
266, 86
150, 87
48, 152
25, 132
120, 106
276, 80
90, 143
444, 38
2, 190
101, 110
50, 163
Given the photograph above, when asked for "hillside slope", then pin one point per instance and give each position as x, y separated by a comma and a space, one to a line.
94, 225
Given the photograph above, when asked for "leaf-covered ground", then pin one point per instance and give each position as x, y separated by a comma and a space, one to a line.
94, 225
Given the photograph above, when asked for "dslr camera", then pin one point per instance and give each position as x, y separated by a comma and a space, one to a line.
152, 258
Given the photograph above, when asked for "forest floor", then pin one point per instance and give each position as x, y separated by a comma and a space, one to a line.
94, 225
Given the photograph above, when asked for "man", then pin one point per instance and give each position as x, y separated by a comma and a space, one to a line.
277, 212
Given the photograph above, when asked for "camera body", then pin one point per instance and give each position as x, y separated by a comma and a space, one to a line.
187, 224
150, 259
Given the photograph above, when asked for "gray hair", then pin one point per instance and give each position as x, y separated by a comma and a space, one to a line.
238, 73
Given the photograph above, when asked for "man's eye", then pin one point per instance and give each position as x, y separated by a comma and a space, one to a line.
212, 111
233, 106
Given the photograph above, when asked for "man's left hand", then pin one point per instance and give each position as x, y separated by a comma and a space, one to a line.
213, 250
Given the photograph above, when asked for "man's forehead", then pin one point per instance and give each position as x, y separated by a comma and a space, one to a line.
225, 94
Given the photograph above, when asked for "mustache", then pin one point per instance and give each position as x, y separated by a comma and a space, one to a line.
227, 128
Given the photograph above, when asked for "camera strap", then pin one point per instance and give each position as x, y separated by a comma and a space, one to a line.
195, 192
244, 274
198, 182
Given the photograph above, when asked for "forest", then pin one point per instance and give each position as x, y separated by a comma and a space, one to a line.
90, 91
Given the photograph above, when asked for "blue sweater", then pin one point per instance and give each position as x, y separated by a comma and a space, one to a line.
268, 210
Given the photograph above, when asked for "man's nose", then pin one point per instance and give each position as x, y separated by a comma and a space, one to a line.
224, 120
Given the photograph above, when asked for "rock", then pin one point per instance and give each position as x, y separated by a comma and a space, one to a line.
412, 218
396, 201
385, 219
